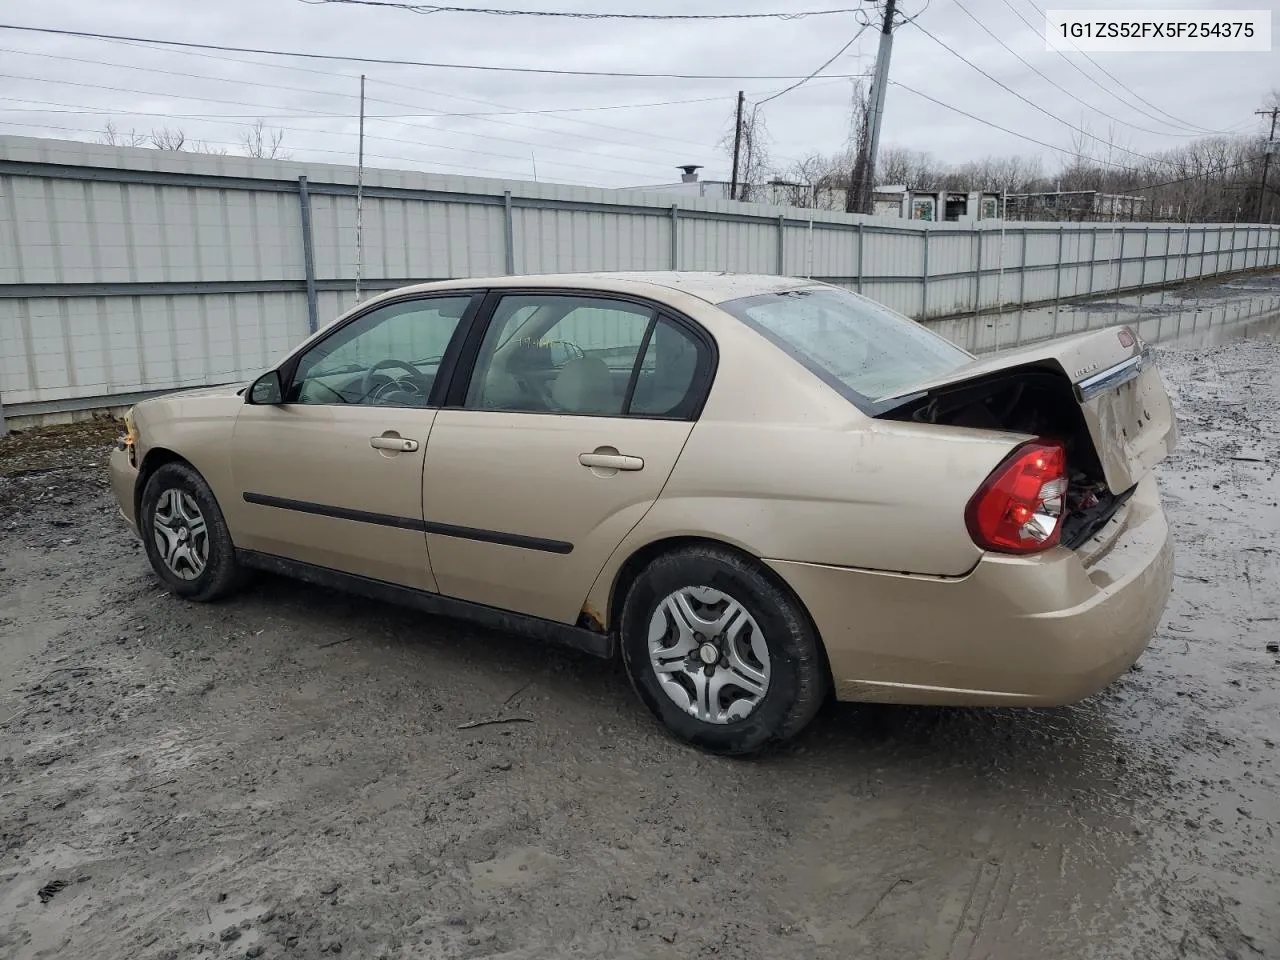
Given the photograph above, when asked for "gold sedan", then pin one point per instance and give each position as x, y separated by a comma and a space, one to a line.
759, 490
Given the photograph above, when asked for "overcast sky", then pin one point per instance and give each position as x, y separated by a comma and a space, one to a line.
68, 87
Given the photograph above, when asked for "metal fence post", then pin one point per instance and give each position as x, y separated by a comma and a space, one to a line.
1118, 231
1146, 243
1168, 240
675, 236
1093, 257
1186, 253
1022, 275
861, 258
977, 273
1057, 281
508, 232
782, 234
308, 255
1217, 254
924, 281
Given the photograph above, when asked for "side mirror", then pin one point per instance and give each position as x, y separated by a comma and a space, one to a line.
266, 390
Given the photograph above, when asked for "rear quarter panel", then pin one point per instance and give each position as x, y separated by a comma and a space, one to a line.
782, 467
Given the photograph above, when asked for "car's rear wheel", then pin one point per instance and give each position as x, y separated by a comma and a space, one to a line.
186, 536
722, 654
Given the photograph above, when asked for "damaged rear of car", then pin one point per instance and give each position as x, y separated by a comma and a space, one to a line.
1096, 396
1073, 562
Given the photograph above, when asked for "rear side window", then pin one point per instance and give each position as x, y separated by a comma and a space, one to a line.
862, 349
587, 356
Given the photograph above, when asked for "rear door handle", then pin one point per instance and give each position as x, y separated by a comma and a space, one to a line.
399, 444
611, 461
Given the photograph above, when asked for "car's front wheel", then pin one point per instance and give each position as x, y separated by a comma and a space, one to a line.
186, 536
723, 655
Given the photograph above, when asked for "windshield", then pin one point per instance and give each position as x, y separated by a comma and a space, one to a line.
863, 350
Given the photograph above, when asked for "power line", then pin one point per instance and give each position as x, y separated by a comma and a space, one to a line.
595, 124
420, 161
832, 59
318, 114
996, 126
599, 167
1049, 80
322, 115
1051, 146
471, 168
430, 8
147, 93
486, 117
1031, 103
395, 62
1107, 90
349, 96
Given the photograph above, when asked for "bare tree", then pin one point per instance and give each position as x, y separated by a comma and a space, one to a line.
176, 139
820, 180
754, 167
912, 168
263, 143
167, 139
112, 136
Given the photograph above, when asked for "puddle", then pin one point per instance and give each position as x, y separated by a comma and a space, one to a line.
1197, 316
523, 866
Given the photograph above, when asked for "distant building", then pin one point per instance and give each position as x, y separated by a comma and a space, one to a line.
937, 205
894, 200
1077, 205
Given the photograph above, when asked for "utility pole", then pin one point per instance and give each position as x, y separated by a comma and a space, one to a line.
1266, 157
737, 148
360, 195
862, 181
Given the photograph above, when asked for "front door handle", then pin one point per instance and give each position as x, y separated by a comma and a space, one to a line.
398, 444
610, 461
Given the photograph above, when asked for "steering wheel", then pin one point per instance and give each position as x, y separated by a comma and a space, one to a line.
412, 374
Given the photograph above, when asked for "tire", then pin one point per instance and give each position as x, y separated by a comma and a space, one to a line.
179, 513
767, 636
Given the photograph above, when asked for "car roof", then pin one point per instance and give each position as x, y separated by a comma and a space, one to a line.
709, 286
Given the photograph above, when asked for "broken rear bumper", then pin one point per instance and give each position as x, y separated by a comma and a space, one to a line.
1032, 631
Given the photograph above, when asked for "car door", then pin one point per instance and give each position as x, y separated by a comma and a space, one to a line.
332, 474
568, 417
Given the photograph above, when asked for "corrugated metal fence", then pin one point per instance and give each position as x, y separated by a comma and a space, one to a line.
127, 271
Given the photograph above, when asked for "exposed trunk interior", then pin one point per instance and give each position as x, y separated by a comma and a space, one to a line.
1036, 401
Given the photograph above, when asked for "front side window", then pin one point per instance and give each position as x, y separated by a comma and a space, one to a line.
862, 349
555, 353
387, 358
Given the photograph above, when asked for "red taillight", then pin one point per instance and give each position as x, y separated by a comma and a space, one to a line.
1018, 509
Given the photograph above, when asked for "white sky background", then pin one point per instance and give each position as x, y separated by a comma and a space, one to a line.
68, 88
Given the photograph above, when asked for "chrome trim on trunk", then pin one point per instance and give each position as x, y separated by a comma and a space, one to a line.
1113, 377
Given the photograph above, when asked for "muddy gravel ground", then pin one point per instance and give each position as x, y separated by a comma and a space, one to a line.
295, 773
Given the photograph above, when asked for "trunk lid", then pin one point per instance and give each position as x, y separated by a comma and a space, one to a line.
1114, 380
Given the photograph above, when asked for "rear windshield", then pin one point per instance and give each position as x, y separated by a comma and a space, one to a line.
863, 350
